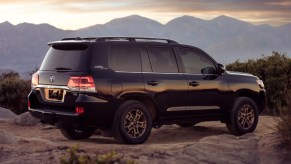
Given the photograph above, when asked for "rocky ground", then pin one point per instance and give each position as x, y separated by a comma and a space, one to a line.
24, 140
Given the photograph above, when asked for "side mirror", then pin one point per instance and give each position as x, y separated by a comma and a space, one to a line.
208, 70
221, 68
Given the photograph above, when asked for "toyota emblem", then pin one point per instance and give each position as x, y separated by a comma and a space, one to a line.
52, 79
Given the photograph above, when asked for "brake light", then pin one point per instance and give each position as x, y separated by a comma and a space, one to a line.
83, 83
79, 110
28, 104
34, 80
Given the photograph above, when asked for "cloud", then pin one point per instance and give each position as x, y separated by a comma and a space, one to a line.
258, 11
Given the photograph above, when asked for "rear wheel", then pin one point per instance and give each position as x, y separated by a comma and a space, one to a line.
243, 117
73, 134
133, 123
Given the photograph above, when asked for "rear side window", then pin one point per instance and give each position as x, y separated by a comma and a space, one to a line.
163, 59
69, 57
125, 58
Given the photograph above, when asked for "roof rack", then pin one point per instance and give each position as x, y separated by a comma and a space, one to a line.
129, 39
135, 39
79, 38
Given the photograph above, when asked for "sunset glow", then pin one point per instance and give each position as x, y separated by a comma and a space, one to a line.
75, 14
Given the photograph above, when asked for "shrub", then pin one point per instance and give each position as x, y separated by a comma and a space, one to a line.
13, 92
284, 125
76, 156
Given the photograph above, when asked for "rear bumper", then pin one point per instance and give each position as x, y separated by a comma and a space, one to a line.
98, 113
52, 117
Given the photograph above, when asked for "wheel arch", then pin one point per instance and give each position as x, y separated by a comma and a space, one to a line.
257, 97
147, 100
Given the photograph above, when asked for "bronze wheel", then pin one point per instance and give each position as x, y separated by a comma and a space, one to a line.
246, 116
243, 117
135, 123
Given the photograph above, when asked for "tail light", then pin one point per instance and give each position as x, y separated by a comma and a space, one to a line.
28, 104
79, 110
34, 80
83, 83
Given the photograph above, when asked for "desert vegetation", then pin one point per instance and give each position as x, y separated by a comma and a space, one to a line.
13, 92
76, 156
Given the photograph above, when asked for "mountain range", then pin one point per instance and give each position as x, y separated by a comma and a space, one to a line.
23, 46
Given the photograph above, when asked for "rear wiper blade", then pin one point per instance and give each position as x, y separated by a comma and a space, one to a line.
63, 68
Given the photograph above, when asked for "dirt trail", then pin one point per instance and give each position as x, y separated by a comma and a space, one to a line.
207, 142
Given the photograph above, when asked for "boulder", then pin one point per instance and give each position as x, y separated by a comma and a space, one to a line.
7, 138
25, 119
6, 115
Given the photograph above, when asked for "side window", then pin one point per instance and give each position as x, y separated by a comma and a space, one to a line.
146, 65
125, 58
162, 59
196, 62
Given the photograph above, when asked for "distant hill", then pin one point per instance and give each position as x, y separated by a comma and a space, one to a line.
23, 46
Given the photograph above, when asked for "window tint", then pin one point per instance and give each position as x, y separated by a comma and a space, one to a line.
146, 65
162, 59
125, 58
196, 62
69, 56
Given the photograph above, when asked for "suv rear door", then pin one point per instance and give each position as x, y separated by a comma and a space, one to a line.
63, 60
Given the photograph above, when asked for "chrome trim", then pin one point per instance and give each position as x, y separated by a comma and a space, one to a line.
179, 73
189, 108
126, 72
52, 87
149, 72
200, 74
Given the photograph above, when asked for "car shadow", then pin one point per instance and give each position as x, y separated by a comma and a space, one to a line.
172, 134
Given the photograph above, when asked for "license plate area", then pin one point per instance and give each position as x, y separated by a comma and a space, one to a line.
57, 95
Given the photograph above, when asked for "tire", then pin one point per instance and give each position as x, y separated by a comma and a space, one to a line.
133, 123
243, 117
73, 134
186, 125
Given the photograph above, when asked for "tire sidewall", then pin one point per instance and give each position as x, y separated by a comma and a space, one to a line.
243, 101
120, 118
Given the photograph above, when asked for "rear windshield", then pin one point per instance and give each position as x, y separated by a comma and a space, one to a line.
66, 57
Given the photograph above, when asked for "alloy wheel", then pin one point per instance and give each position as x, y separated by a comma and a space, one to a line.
246, 116
135, 123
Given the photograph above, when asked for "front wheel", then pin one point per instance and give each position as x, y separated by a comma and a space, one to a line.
243, 117
133, 123
73, 134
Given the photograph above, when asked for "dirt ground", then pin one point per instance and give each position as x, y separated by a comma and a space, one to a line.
208, 142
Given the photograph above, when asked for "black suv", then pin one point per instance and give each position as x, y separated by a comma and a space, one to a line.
125, 86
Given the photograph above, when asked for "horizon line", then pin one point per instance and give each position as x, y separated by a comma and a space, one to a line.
252, 23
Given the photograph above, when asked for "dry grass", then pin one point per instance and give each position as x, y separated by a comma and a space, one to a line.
284, 127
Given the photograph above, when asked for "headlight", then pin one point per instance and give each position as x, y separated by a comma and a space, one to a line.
261, 83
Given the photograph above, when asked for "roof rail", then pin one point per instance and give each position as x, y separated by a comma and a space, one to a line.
134, 39
79, 38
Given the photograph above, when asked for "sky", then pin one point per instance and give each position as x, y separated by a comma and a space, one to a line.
76, 14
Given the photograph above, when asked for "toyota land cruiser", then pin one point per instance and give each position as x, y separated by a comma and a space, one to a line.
126, 85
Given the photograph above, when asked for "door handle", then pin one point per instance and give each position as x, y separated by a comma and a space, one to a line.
153, 83
193, 83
